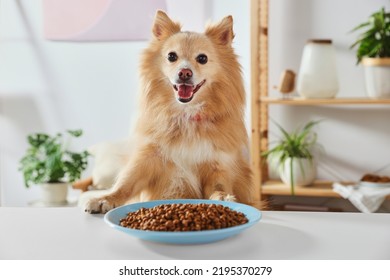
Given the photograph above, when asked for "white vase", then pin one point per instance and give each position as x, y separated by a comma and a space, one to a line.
377, 76
303, 170
54, 193
317, 77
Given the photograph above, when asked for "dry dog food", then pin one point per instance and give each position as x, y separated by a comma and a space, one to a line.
183, 217
375, 178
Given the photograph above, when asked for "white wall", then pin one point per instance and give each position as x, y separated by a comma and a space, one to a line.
53, 86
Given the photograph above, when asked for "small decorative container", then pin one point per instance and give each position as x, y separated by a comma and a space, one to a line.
377, 75
317, 76
303, 172
54, 193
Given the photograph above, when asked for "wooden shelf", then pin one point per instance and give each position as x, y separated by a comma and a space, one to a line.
329, 101
318, 189
261, 101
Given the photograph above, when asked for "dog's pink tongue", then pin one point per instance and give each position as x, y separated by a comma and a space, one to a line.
185, 91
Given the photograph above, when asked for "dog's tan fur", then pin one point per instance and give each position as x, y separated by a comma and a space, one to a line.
195, 149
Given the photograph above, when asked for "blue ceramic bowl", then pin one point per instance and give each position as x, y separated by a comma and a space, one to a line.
113, 217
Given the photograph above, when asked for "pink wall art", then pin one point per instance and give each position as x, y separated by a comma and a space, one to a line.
99, 20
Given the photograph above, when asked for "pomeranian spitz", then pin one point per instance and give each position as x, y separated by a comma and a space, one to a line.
191, 137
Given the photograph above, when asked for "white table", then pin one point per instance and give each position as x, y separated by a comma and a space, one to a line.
69, 233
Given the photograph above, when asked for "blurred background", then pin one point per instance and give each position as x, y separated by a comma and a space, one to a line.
82, 81
51, 85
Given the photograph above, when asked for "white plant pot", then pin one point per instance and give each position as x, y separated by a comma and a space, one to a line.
304, 172
54, 193
377, 76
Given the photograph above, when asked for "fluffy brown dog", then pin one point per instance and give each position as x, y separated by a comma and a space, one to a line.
191, 134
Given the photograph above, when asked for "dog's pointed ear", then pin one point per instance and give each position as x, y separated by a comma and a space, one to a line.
222, 32
163, 26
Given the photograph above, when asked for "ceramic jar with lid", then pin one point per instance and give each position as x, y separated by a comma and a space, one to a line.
317, 77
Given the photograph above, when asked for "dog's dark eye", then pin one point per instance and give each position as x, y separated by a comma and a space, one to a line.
202, 59
172, 56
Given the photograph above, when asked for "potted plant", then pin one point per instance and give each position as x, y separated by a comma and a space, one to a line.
373, 51
293, 157
48, 162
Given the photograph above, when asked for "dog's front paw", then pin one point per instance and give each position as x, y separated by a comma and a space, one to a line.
98, 205
220, 195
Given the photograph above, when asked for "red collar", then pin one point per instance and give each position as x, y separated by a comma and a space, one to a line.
197, 118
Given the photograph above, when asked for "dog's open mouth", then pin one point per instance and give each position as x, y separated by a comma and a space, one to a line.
186, 92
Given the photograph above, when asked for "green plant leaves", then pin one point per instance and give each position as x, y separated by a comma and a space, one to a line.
297, 144
48, 159
37, 139
75, 133
375, 39
75, 165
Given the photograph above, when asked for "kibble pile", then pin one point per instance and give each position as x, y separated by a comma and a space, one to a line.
183, 217
375, 178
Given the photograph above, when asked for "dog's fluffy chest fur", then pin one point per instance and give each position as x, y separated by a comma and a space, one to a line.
187, 157
196, 151
194, 140
188, 150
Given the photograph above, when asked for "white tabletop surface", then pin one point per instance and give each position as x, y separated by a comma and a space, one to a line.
69, 233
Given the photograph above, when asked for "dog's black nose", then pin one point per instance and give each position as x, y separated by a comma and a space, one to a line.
185, 74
